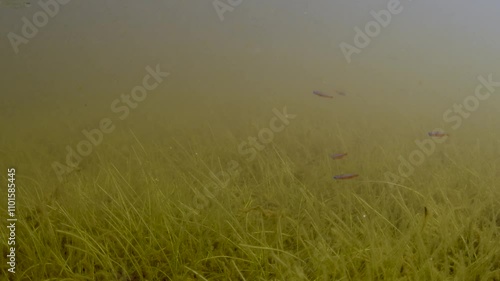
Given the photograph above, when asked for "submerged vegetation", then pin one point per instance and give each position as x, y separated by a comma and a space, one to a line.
129, 211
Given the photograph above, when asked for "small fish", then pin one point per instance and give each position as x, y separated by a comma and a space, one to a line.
321, 94
345, 176
338, 155
437, 134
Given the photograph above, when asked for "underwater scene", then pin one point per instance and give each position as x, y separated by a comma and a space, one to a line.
250, 140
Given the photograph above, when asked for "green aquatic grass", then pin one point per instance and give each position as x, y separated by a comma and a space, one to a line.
128, 213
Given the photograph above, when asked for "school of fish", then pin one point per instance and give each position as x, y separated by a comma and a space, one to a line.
337, 156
